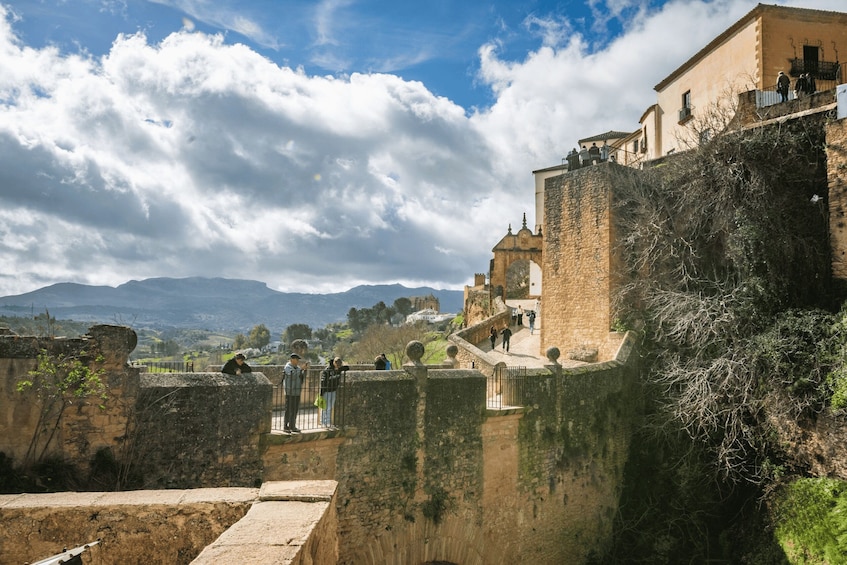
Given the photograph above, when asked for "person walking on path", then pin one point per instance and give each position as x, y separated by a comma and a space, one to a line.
292, 384
520, 315
492, 335
531, 317
330, 379
507, 336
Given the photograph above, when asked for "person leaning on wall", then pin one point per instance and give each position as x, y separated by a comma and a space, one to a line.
379, 363
237, 365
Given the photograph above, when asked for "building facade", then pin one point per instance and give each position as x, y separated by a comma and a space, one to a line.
699, 97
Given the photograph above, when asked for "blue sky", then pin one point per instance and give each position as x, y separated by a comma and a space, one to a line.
435, 42
313, 146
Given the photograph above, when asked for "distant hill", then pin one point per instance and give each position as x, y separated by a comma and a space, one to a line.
217, 304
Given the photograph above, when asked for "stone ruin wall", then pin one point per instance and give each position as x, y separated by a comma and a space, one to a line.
85, 427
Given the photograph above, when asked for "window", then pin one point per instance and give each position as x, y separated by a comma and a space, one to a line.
685, 111
635, 146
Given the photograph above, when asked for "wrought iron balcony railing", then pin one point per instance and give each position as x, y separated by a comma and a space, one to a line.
825, 70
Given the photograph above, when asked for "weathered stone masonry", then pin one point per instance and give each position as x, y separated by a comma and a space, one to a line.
581, 262
424, 471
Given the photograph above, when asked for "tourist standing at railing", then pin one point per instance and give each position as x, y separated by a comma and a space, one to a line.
292, 383
330, 379
492, 335
387, 362
782, 85
236, 366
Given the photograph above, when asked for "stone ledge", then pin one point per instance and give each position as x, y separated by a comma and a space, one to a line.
129, 498
303, 491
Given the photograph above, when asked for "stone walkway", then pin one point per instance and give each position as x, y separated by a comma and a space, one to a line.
524, 350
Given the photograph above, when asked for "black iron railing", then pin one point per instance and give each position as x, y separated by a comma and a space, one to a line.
505, 388
821, 70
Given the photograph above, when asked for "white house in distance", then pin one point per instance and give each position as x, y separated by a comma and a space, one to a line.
428, 315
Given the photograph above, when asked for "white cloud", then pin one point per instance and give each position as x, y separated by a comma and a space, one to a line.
194, 157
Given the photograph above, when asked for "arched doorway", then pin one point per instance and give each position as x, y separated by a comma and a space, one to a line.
516, 266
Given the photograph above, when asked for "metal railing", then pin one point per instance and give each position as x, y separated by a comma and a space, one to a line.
308, 415
770, 97
505, 388
821, 70
167, 366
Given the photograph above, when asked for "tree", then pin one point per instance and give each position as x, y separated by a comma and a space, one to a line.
57, 382
240, 342
296, 331
259, 337
403, 306
381, 338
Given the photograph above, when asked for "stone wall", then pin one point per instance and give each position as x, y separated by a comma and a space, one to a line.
133, 527
201, 429
580, 261
469, 355
85, 425
291, 523
426, 473
836, 157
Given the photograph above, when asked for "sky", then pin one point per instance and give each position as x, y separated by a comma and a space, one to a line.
313, 146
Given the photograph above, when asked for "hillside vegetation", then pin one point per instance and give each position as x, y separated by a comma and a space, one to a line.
727, 258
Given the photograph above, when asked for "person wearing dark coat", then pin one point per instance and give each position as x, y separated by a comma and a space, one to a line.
507, 336
236, 366
782, 84
330, 381
293, 376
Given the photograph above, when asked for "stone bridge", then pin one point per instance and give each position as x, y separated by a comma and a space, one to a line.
424, 471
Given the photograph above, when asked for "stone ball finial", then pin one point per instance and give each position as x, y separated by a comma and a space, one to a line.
452, 350
553, 354
415, 351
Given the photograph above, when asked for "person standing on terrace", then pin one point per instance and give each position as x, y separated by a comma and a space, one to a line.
292, 384
782, 84
330, 380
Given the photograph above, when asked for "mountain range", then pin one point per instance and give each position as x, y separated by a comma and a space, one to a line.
217, 304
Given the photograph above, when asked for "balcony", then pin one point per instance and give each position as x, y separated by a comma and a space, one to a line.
822, 70
684, 114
